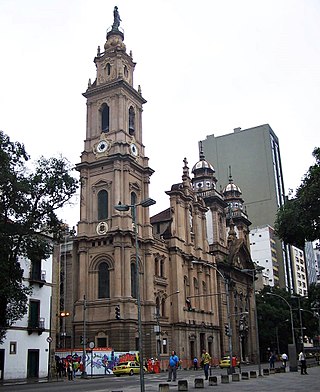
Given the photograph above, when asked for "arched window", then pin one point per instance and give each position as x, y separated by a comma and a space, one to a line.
131, 120
133, 281
191, 219
158, 314
163, 307
103, 281
105, 118
133, 201
102, 205
108, 69
156, 267
133, 198
162, 268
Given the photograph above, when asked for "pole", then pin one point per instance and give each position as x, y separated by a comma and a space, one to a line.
142, 389
231, 369
256, 321
84, 373
64, 288
301, 327
293, 367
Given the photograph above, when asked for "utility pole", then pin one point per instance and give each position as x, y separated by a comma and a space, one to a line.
84, 342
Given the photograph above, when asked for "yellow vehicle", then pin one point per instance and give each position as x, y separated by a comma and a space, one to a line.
130, 367
225, 362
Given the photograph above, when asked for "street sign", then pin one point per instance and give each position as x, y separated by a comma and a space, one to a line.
49, 339
91, 345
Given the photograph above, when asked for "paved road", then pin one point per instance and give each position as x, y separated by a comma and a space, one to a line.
292, 382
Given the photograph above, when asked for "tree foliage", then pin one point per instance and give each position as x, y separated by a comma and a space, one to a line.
29, 200
275, 330
298, 220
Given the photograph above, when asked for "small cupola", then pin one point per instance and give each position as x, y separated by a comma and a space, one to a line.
232, 194
203, 172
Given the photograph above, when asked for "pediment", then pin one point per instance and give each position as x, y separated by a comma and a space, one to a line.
239, 255
101, 184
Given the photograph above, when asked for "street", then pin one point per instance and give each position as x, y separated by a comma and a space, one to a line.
276, 382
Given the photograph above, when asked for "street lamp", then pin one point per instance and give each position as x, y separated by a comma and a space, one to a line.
300, 321
253, 273
293, 365
125, 207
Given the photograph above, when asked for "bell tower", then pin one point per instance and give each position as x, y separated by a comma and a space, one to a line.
113, 170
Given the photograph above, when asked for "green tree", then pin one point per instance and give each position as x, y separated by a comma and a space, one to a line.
274, 321
29, 200
298, 220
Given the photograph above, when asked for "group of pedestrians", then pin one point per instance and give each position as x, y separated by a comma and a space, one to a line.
174, 363
67, 368
284, 358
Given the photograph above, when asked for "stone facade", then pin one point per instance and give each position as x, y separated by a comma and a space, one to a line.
183, 271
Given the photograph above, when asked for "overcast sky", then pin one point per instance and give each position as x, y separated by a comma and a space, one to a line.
205, 67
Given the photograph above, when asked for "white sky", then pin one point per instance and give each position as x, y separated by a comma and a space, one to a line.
205, 67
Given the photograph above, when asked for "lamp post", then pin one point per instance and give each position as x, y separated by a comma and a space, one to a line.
300, 322
293, 367
125, 207
253, 273
84, 339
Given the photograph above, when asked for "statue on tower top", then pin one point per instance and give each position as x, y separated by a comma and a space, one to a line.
116, 18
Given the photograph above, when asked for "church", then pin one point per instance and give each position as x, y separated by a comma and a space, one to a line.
180, 280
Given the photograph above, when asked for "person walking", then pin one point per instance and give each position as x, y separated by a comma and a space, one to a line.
303, 363
205, 360
173, 364
284, 358
195, 363
272, 360
70, 370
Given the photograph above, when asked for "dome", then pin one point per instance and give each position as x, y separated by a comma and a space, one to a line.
231, 188
201, 165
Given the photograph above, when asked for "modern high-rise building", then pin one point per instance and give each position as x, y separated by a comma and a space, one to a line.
299, 271
254, 157
263, 253
311, 263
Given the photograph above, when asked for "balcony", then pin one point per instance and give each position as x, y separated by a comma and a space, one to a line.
36, 326
38, 278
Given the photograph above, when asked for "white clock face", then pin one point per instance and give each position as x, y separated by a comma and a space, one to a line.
134, 149
102, 228
102, 146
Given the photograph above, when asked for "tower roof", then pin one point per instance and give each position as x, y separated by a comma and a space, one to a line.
202, 164
231, 190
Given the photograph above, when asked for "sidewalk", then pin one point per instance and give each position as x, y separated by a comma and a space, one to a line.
290, 381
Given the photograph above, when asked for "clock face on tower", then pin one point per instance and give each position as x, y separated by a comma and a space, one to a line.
134, 149
102, 147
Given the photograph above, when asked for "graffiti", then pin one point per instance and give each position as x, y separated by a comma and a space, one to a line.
97, 361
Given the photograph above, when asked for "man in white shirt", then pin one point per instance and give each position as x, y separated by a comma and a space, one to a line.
303, 363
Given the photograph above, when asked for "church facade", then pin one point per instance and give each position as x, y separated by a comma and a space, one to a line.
193, 292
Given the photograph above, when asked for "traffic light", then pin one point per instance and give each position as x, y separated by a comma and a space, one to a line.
117, 312
188, 303
226, 330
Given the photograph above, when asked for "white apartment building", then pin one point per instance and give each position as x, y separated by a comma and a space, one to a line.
25, 351
299, 271
264, 254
